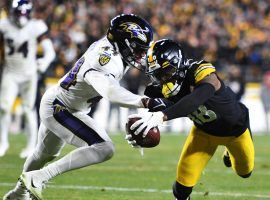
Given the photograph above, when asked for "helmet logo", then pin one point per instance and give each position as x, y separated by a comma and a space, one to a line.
135, 30
23, 5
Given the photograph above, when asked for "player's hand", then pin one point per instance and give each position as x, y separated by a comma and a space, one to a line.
148, 120
158, 104
131, 141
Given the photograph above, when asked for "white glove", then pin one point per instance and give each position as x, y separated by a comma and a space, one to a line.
131, 141
148, 120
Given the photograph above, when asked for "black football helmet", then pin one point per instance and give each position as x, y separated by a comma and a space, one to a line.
131, 36
21, 10
166, 64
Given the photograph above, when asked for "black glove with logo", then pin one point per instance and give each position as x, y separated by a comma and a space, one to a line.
156, 104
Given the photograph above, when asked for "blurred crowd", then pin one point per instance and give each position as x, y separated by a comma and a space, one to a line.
224, 32
232, 34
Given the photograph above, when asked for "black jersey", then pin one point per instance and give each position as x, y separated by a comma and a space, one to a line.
221, 114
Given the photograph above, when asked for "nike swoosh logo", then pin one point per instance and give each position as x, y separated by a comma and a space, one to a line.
32, 184
161, 103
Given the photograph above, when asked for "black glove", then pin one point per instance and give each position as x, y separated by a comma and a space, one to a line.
157, 104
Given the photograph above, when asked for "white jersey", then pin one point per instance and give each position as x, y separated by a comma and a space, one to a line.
21, 45
96, 74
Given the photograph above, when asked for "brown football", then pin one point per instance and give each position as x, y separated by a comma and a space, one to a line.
150, 140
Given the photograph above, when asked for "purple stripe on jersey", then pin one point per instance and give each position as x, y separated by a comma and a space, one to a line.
76, 126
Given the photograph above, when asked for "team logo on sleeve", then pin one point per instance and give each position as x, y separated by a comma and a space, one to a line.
104, 59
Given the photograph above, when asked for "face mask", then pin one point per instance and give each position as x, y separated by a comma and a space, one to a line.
23, 21
170, 89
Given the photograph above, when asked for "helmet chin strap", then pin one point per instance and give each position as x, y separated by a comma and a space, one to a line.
180, 75
176, 89
169, 89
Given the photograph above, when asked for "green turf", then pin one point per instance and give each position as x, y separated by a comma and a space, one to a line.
136, 175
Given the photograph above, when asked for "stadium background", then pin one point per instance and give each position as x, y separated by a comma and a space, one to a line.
233, 34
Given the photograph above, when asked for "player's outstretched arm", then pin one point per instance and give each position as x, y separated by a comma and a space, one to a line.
109, 88
204, 90
48, 53
2, 54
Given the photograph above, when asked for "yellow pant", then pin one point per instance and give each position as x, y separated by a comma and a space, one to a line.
200, 147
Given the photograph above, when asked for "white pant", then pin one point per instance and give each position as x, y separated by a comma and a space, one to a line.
11, 86
64, 126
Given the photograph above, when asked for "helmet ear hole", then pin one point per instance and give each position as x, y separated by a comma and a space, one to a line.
182, 74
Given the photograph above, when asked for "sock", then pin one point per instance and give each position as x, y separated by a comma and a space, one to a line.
31, 128
4, 124
36, 160
81, 157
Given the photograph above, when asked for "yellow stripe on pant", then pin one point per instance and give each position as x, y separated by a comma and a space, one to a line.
200, 147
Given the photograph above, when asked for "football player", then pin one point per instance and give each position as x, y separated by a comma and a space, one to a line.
197, 93
21, 34
64, 108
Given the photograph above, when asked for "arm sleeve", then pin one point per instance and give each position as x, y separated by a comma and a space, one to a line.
49, 55
109, 88
2, 55
191, 102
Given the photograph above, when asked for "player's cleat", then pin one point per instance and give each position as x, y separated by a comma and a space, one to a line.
3, 149
186, 199
33, 184
18, 193
26, 152
226, 159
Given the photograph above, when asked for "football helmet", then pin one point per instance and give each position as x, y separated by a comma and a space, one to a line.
131, 36
21, 10
166, 65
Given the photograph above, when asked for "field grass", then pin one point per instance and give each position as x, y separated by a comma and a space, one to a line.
129, 176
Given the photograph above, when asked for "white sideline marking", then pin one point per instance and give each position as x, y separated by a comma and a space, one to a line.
81, 187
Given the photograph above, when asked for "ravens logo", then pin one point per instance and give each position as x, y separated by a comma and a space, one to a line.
104, 59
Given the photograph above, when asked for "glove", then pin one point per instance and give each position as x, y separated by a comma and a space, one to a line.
131, 141
148, 120
158, 104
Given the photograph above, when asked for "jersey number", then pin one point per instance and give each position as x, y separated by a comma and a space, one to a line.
72, 75
202, 115
22, 49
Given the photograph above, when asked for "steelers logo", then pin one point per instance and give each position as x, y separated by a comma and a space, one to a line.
104, 59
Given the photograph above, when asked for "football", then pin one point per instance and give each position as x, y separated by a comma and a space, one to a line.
150, 140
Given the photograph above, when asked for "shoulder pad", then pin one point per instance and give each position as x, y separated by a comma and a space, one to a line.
39, 27
202, 69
